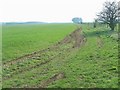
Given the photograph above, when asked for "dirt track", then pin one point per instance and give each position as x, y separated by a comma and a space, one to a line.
75, 37
70, 43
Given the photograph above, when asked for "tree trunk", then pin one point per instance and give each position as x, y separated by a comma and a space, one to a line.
112, 26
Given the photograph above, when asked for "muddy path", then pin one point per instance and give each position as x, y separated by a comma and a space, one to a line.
70, 43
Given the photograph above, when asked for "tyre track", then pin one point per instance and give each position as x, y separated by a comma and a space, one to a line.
75, 38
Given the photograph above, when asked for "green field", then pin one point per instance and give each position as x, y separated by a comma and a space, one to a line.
19, 40
59, 65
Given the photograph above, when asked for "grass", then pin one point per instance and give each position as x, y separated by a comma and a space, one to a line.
93, 65
19, 40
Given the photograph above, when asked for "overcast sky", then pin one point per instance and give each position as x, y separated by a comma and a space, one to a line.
49, 10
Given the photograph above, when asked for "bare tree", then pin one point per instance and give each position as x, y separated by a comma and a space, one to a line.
109, 14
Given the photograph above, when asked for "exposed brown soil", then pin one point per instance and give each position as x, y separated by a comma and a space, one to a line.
75, 36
